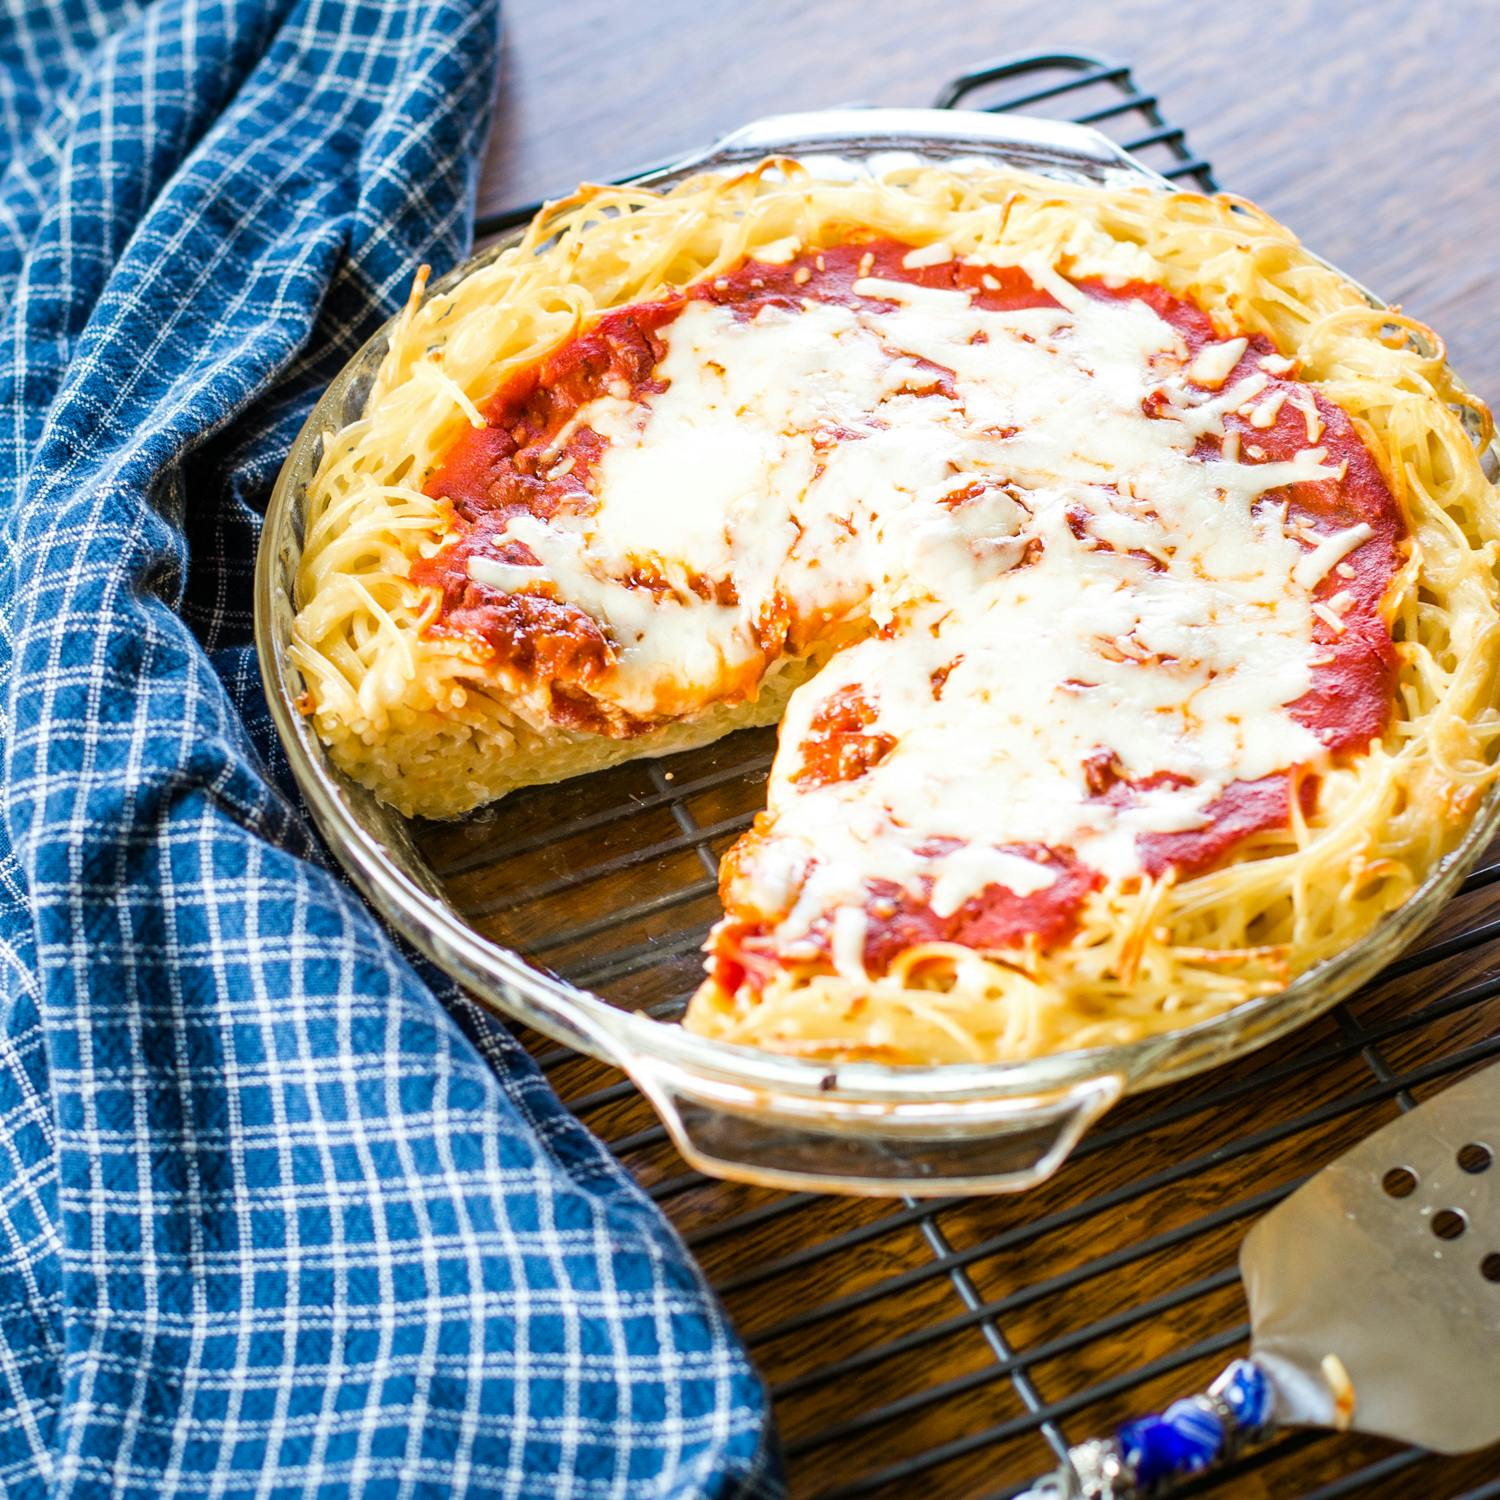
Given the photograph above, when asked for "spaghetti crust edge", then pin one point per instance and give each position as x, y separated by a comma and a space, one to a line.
419, 717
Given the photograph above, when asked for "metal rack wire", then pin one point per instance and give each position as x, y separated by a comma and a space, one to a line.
963, 1344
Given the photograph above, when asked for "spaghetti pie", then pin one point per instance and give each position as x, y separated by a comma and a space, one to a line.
1124, 583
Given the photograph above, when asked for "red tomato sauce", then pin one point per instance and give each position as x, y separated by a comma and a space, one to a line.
527, 461
839, 745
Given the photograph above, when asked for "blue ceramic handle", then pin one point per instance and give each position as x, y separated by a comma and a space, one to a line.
1188, 1437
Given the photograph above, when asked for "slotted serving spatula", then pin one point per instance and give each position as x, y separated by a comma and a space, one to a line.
1374, 1295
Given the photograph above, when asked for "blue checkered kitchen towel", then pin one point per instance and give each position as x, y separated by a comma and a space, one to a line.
278, 1215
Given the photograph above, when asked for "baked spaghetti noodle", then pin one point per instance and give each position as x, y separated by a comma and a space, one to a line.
493, 591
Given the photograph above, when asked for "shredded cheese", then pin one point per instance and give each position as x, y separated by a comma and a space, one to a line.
935, 254
1215, 362
848, 948
1329, 551
1071, 567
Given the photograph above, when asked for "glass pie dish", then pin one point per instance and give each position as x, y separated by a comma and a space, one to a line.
579, 908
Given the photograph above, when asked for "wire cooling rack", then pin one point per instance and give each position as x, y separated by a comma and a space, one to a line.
958, 1346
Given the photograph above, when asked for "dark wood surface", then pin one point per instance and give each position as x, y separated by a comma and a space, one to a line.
1372, 130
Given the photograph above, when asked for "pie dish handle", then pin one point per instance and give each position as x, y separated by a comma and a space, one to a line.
986, 1143
841, 141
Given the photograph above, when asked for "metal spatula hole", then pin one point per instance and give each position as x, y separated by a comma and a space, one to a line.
1475, 1158
1449, 1223
1391, 1256
1400, 1182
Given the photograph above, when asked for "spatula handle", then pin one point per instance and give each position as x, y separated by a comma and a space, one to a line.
1190, 1436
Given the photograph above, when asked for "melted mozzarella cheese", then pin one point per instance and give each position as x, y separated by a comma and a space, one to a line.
1214, 362
1054, 574
935, 254
848, 949
1331, 550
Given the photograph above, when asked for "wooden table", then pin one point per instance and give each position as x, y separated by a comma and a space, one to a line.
893, 1332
